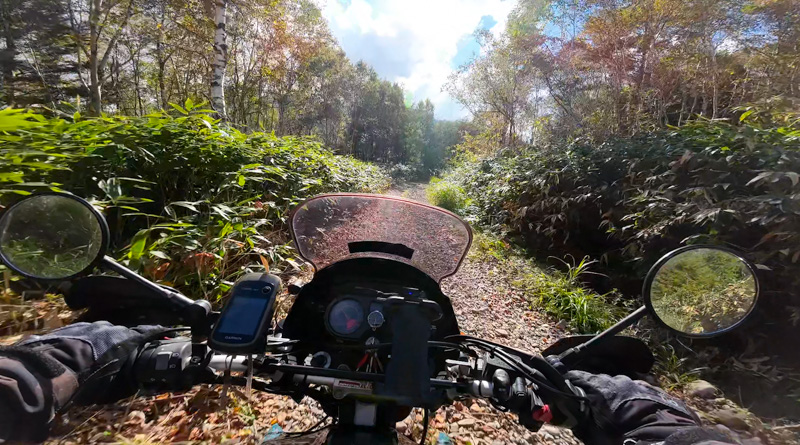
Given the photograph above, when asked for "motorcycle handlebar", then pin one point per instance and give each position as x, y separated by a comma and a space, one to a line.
519, 397
303, 373
161, 365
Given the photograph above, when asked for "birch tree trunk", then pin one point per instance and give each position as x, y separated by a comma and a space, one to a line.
9, 55
220, 59
95, 98
161, 59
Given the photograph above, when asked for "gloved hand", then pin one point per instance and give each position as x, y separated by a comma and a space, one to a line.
84, 362
98, 354
627, 411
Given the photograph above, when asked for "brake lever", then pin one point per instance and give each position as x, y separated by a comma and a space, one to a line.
523, 398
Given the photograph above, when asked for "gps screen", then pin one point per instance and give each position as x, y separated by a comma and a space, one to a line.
242, 315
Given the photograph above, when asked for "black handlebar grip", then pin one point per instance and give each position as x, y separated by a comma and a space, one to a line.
160, 365
501, 384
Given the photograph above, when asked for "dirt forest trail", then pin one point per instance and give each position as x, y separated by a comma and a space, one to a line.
488, 306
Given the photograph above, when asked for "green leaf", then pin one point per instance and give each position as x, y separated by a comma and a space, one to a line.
794, 177
18, 192
759, 177
186, 205
159, 254
148, 215
138, 244
35, 184
226, 229
12, 119
745, 114
241, 180
12, 177
122, 178
179, 108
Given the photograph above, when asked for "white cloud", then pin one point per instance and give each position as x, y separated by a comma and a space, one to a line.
412, 42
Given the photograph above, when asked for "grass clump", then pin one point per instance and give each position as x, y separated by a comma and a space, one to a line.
672, 369
562, 296
560, 293
447, 195
486, 245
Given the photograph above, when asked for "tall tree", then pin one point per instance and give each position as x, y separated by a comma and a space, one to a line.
220, 18
501, 81
97, 26
9, 54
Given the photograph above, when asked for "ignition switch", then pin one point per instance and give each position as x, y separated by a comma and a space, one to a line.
321, 360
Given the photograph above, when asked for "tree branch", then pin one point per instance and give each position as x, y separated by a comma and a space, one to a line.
114, 39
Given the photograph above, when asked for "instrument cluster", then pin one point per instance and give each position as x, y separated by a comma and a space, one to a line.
353, 315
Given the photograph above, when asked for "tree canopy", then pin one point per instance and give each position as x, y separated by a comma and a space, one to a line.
283, 71
599, 68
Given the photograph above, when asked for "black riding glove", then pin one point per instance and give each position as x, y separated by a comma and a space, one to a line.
99, 368
627, 411
83, 363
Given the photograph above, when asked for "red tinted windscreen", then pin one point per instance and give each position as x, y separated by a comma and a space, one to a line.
331, 228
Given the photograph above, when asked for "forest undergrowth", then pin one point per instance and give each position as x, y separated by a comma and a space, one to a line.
619, 205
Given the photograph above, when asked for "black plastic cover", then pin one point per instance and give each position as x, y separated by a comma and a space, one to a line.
615, 355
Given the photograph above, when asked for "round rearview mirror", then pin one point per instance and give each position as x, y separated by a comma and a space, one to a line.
52, 236
701, 291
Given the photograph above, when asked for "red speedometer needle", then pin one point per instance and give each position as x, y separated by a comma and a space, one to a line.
352, 323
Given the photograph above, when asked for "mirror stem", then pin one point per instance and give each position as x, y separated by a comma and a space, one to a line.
573, 355
181, 301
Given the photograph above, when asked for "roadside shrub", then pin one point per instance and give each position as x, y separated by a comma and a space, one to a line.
560, 291
628, 201
563, 295
189, 203
447, 195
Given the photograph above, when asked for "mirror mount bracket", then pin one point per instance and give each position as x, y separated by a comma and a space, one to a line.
198, 310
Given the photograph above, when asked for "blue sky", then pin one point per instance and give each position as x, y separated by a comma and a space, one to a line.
416, 43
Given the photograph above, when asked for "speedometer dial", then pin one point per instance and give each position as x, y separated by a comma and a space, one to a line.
346, 317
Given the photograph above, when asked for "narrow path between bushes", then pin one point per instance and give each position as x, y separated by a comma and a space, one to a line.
487, 305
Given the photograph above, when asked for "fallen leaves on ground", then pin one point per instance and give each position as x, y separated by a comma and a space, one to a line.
195, 415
